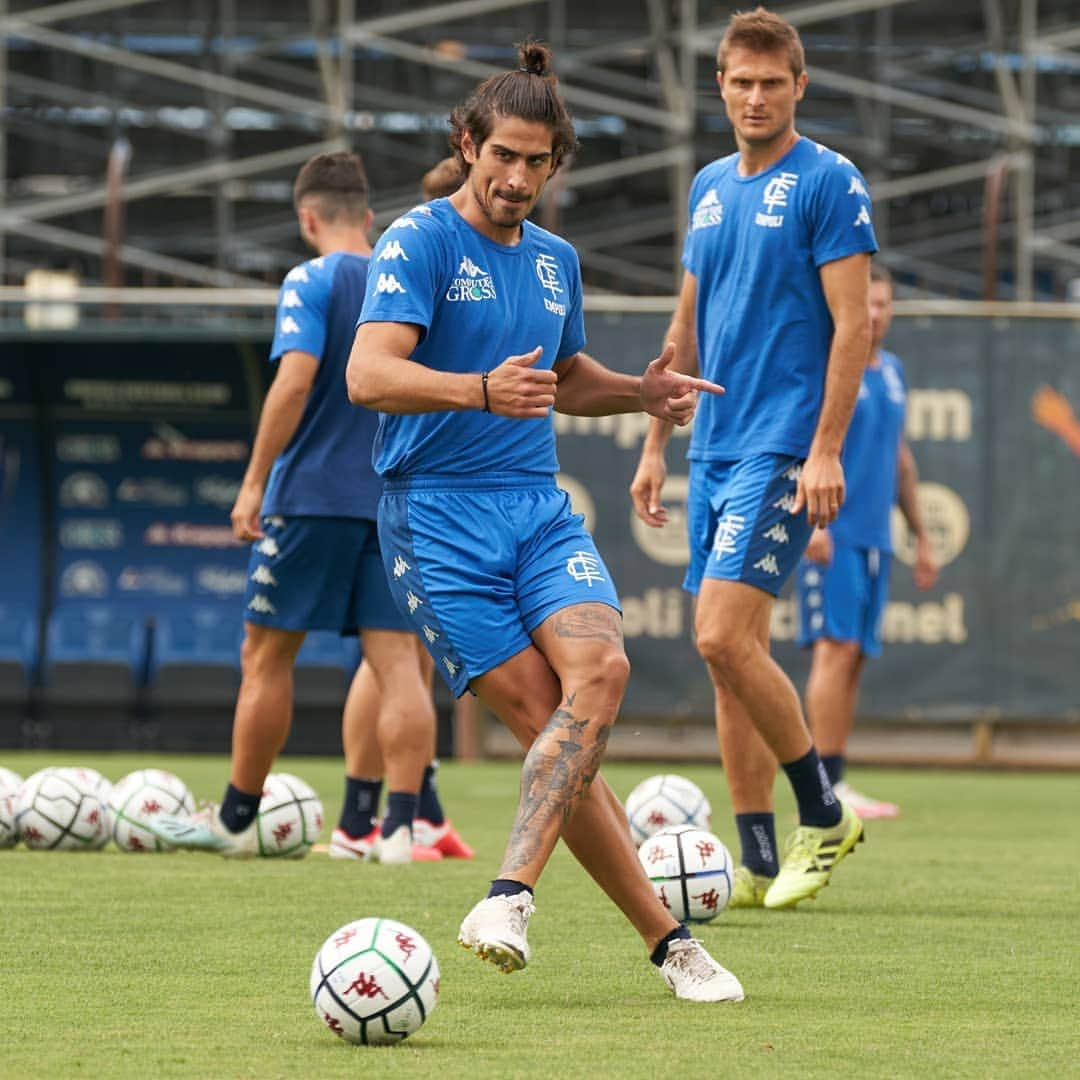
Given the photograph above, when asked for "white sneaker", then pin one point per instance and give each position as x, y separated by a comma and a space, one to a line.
866, 808
205, 831
344, 846
495, 930
399, 849
693, 975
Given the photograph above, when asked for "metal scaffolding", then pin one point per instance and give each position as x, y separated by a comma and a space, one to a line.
183, 130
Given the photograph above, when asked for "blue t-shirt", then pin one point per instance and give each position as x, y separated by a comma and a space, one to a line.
871, 456
755, 244
476, 303
326, 470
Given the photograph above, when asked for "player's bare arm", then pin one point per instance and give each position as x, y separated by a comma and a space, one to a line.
648, 482
381, 375
281, 413
925, 570
845, 283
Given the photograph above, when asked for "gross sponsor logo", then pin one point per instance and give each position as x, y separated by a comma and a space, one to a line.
88, 449
151, 581
187, 534
708, 212
473, 283
84, 489
86, 579
217, 490
151, 491
94, 534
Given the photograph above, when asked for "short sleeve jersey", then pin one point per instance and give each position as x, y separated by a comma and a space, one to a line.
326, 469
756, 244
476, 302
871, 456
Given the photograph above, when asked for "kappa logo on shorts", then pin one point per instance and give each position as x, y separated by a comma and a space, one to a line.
268, 546
777, 533
262, 605
450, 666
429, 634
584, 566
768, 565
413, 601
261, 576
727, 532
400, 566
785, 502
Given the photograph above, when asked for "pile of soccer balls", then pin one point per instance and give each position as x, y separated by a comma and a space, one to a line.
689, 867
77, 809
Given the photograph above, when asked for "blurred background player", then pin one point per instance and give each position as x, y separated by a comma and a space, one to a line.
774, 306
471, 332
308, 503
442, 179
843, 580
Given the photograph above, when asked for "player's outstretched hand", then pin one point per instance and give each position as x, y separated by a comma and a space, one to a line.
670, 395
517, 388
645, 489
821, 489
245, 514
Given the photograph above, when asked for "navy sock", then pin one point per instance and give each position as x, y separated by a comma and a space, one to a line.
361, 806
834, 767
429, 808
238, 809
818, 805
659, 954
757, 837
508, 887
400, 810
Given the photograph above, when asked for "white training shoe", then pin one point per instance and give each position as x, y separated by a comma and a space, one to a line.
205, 831
495, 930
693, 975
344, 846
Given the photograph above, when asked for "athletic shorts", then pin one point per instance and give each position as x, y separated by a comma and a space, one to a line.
478, 564
844, 601
739, 521
319, 573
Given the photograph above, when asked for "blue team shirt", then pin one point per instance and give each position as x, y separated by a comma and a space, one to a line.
476, 303
326, 470
871, 457
755, 245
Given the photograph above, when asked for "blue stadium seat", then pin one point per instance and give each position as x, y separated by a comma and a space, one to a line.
18, 652
94, 653
195, 658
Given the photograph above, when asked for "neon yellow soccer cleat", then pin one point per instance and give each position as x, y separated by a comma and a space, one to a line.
748, 889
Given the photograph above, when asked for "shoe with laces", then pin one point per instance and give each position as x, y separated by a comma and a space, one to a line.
495, 930
693, 975
344, 846
867, 808
748, 889
444, 838
398, 849
810, 856
205, 831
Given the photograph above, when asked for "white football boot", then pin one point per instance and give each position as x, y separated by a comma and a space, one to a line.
495, 930
693, 975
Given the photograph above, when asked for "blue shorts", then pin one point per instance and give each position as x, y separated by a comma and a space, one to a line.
319, 573
844, 601
739, 521
478, 564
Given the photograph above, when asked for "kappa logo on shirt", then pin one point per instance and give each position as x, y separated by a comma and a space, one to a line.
863, 217
403, 223
289, 325
857, 187
298, 273
392, 250
708, 212
387, 283
291, 298
775, 196
547, 270
472, 283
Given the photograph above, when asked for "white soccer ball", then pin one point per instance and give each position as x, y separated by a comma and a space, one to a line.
60, 810
10, 782
86, 777
691, 871
140, 796
374, 981
663, 800
8, 836
290, 817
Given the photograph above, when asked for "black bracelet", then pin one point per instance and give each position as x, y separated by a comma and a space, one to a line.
483, 386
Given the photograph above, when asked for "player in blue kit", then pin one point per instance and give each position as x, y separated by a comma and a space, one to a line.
843, 581
773, 305
471, 333
308, 503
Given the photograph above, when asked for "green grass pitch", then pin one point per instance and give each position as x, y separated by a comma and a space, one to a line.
948, 946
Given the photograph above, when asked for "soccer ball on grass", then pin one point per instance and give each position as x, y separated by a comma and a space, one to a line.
137, 798
60, 810
663, 800
691, 872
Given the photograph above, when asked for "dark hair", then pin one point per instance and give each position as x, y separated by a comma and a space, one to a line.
880, 273
338, 185
443, 178
761, 31
529, 93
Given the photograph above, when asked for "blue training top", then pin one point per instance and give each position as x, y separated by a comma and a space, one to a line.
476, 303
755, 244
870, 457
326, 469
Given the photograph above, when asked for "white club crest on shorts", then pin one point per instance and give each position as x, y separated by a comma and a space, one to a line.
767, 564
400, 566
727, 531
261, 576
584, 566
262, 605
413, 601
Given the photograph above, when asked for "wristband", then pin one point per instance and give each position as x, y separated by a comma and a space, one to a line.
483, 386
